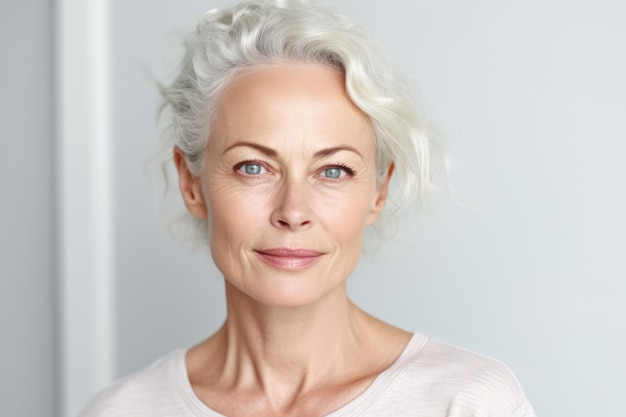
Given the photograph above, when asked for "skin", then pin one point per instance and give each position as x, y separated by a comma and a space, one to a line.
288, 187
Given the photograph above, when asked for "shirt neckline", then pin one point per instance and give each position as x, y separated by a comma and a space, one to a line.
193, 405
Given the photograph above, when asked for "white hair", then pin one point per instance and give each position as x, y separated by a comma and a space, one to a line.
257, 32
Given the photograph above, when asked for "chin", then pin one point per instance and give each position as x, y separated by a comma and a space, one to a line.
289, 292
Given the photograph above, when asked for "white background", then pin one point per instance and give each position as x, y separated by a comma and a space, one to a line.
527, 266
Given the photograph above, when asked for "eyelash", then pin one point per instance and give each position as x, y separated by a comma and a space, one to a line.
238, 168
351, 172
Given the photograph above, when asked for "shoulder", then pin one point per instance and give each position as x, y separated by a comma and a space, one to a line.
150, 392
468, 368
462, 382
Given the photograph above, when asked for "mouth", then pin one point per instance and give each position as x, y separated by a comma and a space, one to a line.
289, 259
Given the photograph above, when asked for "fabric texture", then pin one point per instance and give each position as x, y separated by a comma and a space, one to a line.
429, 379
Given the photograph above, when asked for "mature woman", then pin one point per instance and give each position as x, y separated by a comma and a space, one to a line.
286, 126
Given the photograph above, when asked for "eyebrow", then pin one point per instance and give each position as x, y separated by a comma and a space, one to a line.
335, 149
272, 153
263, 149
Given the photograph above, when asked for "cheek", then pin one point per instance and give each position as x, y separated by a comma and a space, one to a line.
344, 219
233, 212
235, 218
345, 213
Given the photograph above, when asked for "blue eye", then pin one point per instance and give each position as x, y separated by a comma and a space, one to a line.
252, 168
333, 172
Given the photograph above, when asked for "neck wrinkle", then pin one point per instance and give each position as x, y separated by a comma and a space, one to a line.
288, 349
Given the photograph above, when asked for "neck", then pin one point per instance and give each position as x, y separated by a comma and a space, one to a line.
292, 343
262, 346
287, 334
285, 352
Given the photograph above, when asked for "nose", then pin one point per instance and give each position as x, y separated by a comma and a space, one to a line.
292, 209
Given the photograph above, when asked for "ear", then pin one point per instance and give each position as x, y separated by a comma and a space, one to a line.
380, 197
190, 186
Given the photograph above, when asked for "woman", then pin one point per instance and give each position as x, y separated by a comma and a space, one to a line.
286, 128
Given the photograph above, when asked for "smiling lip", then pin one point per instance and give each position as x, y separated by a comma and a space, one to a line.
291, 259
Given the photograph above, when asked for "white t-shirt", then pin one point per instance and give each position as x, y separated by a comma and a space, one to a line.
429, 379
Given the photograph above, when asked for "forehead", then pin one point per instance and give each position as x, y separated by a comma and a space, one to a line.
294, 77
295, 101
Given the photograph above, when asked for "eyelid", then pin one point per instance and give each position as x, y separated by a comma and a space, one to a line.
347, 170
238, 167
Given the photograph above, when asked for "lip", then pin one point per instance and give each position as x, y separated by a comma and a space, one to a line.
289, 259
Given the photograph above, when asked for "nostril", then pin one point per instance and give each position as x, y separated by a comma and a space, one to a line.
285, 223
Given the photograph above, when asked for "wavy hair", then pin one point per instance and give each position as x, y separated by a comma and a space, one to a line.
257, 32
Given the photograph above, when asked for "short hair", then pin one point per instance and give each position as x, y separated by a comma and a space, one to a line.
257, 32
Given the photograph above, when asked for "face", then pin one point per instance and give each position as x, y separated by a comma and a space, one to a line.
289, 184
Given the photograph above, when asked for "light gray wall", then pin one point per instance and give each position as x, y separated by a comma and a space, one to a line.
529, 268
28, 375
